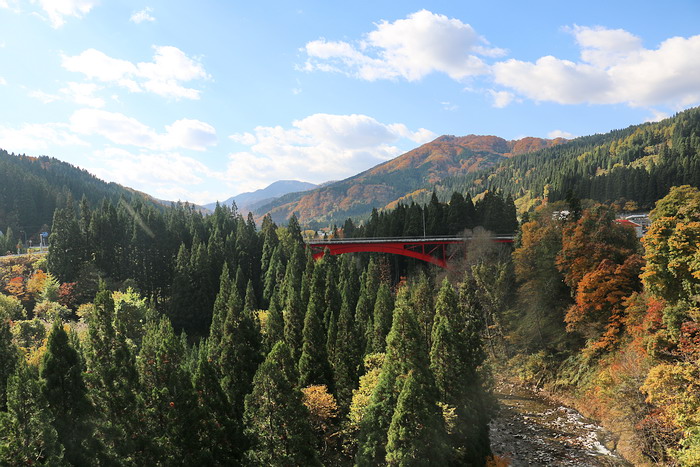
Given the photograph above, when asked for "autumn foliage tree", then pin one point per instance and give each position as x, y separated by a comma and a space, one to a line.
599, 311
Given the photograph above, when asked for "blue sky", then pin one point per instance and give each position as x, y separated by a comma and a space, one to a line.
202, 100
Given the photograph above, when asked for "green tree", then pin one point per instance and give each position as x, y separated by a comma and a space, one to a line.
369, 284
27, 434
219, 314
347, 357
294, 311
417, 431
112, 380
220, 433
314, 367
422, 299
64, 257
276, 420
383, 312
63, 387
274, 326
239, 354
404, 352
8, 356
171, 413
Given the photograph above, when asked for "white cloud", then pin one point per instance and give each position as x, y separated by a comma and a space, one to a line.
409, 48
247, 139
449, 106
58, 10
657, 116
44, 97
191, 134
614, 69
37, 137
121, 129
318, 148
79, 93
560, 134
160, 174
163, 76
501, 98
142, 15
3, 82
83, 94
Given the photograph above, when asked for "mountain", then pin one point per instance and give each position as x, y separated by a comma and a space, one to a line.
250, 200
390, 181
31, 188
631, 168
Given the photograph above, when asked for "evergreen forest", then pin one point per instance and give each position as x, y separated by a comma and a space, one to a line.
153, 335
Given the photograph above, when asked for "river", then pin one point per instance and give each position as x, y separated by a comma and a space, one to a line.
532, 430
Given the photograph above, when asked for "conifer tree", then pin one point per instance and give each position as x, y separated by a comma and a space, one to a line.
470, 438
422, 299
307, 277
112, 379
369, 284
383, 311
404, 352
274, 329
219, 314
8, 357
64, 389
64, 257
294, 310
273, 275
417, 431
171, 413
221, 435
347, 358
444, 354
276, 421
239, 354
27, 434
250, 303
314, 367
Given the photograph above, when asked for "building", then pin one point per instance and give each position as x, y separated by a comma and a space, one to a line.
639, 230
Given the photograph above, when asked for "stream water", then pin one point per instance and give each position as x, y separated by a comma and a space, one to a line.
532, 430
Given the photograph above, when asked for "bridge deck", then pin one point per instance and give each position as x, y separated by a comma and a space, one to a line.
431, 240
430, 249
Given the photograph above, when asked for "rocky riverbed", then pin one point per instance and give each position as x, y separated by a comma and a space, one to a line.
532, 430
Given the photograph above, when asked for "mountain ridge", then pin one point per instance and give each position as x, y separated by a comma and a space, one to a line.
389, 181
249, 200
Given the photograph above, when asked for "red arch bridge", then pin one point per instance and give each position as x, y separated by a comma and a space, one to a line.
435, 250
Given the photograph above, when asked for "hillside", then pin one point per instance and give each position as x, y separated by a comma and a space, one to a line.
250, 200
631, 168
31, 188
384, 184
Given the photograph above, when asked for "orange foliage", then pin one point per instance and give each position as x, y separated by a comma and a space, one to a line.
16, 288
600, 301
643, 320
589, 241
689, 341
497, 461
36, 283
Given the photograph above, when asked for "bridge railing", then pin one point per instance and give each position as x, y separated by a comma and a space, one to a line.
431, 239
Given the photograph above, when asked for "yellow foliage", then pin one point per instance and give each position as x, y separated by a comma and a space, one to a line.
321, 404
675, 390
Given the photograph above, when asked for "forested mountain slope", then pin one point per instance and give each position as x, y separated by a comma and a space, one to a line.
638, 164
31, 188
394, 179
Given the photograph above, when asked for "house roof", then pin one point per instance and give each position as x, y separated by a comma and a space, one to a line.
627, 222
